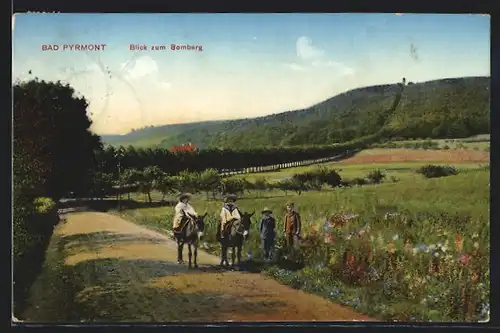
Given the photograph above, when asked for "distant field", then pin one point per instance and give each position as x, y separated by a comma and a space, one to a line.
480, 142
399, 163
381, 155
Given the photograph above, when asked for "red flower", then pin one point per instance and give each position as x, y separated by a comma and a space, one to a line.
464, 259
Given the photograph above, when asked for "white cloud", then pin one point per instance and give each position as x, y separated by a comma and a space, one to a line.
306, 50
165, 85
295, 67
311, 56
142, 67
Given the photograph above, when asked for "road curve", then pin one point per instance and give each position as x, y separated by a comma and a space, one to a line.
101, 268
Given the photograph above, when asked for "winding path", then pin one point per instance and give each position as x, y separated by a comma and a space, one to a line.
101, 268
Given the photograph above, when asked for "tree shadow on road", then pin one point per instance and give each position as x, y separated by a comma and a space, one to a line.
110, 204
117, 289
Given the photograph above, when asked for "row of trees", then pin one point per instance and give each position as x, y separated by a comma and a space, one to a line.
215, 186
254, 160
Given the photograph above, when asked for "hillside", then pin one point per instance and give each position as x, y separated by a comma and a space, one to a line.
447, 108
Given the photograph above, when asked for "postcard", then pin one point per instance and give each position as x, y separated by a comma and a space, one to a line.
215, 168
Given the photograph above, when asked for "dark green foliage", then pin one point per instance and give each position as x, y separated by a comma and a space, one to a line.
53, 154
435, 171
316, 178
448, 108
376, 176
52, 140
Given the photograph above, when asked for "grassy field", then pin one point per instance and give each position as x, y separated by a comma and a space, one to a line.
415, 219
398, 163
477, 142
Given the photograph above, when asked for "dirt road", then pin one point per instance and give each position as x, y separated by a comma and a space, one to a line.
101, 268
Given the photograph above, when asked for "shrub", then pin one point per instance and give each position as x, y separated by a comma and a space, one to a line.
33, 223
376, 176
446, 147
394, 179
435, 171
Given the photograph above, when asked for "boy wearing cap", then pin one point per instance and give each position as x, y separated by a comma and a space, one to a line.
292, 225
267, 234
181, 210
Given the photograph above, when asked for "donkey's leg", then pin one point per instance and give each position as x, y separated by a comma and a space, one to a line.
195, 255
233, 255
190, 254
222, 251
239, 253
180, 248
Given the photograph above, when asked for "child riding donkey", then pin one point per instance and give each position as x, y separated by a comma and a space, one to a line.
188, 228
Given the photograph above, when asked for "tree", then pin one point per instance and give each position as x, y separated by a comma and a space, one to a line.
261, 184
52, 138
210, 181
147, 180
103, 184
130, 178
166, 185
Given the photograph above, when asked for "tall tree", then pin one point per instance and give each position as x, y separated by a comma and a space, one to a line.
51, 137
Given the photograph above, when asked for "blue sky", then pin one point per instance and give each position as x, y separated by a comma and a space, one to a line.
251, 64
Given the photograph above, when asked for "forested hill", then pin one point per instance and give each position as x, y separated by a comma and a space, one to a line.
452, 108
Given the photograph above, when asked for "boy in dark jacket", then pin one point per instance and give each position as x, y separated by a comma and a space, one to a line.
267, 234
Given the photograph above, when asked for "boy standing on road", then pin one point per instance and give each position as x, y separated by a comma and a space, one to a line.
267, 234
292, 225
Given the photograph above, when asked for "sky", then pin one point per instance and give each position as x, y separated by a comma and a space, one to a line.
250, 65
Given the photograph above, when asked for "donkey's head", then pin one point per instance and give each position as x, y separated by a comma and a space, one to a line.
199, 224
246, 221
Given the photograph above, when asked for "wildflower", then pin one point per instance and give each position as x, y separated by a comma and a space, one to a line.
436, 254
391, 248
444, 248
475, 235
464, 259
476, 245
395, 237
414, 251
459, 242
423, 301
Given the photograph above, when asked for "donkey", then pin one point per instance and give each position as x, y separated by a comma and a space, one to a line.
234, 235
191, 233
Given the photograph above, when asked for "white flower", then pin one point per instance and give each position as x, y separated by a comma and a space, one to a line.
436, 254
439, 245
423, 301
395, 237
444, 248
476, 245
414, 251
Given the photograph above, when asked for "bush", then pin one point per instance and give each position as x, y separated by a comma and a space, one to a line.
446, 147
376, 176
436, 171
33, 223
